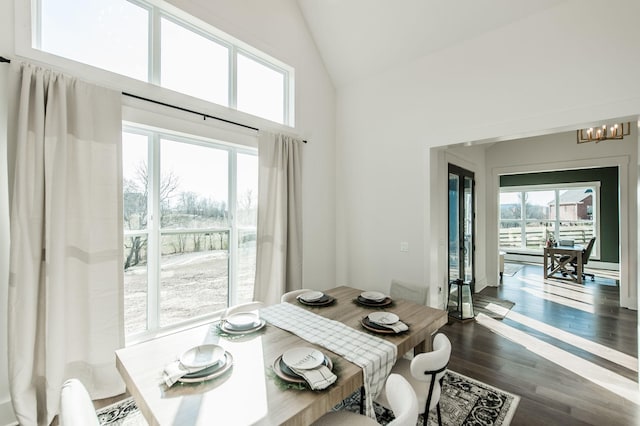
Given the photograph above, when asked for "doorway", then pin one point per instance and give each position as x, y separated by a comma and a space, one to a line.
461, 214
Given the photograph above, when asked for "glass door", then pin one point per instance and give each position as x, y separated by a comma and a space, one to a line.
461, 225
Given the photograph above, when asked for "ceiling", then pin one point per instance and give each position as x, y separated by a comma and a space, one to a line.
358, 38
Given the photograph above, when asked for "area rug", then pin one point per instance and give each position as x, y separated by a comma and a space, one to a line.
510, 269
464, 401
491, 306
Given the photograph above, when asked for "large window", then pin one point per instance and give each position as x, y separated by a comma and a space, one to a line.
137, 39
531, 215
190, 211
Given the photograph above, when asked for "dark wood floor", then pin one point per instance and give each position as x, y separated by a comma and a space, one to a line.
550, 394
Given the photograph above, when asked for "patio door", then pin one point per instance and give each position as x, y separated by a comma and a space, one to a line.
461, 225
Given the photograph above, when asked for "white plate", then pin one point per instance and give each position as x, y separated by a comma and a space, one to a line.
223, 368
376, 296
311, 296
243, 321
225, 327
385, 318
202, 356
303, 358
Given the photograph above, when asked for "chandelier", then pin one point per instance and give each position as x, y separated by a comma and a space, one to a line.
604, 132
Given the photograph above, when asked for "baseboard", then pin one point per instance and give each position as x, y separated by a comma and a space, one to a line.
7, 417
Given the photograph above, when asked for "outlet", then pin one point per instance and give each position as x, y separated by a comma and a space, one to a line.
404, 246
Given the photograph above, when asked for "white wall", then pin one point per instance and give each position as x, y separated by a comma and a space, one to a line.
523, 79
277, 28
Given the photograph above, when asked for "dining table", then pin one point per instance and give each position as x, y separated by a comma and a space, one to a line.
251, 392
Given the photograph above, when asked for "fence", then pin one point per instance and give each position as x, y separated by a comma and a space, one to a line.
536, 236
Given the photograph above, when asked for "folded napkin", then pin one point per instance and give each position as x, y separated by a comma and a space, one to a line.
318, 378
175, 370
398, 327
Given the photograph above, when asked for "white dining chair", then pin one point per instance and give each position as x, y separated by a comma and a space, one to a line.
408, 291
290, 296
425, 373
242, 307
76, 408
402, 399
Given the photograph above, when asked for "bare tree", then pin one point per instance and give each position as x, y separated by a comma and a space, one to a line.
135, 214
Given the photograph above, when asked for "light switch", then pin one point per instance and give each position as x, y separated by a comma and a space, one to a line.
404, 246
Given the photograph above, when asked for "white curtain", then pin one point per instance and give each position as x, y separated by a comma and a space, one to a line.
279, 239
65, 277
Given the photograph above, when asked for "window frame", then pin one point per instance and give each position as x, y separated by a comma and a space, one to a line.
556, 221
154, 231
27, 44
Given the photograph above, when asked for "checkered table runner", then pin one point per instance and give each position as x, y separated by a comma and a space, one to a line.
376, 356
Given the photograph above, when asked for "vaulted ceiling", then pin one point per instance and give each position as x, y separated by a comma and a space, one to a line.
358, 38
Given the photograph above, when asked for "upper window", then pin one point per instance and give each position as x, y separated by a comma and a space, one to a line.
142, 41
530, 216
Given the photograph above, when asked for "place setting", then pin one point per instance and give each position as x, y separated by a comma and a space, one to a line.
198, 364
242, 323
315, 298
373, 299
305, 367
384, 323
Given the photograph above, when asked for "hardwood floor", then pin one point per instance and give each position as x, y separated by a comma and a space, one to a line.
552, 394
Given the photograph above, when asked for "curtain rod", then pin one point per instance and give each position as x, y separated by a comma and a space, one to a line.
204, 115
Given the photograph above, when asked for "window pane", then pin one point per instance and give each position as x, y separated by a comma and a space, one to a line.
510, 234
578, 232
194, 275
193, 64
246, 265
247, 190
260, 89
537, 204
576, 204
134, 180
112, 35
537, 233
194, 186
510, 205
135, 283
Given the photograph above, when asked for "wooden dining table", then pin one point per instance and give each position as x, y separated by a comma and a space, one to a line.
249, 393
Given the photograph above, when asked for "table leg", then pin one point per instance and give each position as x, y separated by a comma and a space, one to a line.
546, 263
579, 267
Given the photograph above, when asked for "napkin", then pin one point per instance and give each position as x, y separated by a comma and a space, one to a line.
318, 378
175, 370
398, 327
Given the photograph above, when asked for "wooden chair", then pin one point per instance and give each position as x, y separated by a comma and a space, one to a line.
402, 400
76, 407
425, 373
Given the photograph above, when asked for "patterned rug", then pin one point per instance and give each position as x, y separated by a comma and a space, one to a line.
464, 401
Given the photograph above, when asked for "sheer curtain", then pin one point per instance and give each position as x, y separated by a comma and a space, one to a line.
65, 308
279, 239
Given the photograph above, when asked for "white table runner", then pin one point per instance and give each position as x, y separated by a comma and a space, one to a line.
376, 356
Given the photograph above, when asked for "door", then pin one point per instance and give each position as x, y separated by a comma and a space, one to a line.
461, 225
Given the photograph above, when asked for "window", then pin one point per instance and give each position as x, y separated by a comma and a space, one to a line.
190, 212
530, 215
137, 39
